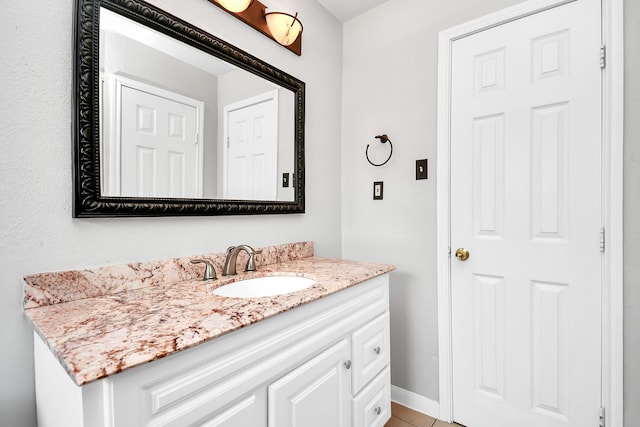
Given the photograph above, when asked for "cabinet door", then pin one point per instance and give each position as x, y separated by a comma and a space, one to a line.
316, 394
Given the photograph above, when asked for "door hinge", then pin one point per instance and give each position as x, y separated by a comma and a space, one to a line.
602, 418
602, 239
603, 56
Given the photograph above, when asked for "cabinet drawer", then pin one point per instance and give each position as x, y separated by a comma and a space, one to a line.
370, 351
372, 407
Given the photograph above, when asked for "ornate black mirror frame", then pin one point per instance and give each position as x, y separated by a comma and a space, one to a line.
88, 201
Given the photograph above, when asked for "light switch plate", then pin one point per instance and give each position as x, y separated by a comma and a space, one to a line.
421, 169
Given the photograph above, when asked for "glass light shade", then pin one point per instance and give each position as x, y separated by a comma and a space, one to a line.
284, 28
235, 5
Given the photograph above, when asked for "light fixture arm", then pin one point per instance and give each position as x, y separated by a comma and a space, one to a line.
293, 21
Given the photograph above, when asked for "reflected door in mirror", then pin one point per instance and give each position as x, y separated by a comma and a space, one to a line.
251, 150
161, 155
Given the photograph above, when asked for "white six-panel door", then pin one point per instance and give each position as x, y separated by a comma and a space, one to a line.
251, 148
161, 148
526, 204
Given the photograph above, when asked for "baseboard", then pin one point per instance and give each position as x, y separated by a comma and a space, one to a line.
415, 401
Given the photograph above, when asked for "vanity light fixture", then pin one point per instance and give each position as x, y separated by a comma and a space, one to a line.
235, 5
282, 27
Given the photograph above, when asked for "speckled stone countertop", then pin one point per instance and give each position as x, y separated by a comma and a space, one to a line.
96, 336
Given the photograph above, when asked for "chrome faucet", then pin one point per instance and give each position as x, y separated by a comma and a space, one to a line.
232, 257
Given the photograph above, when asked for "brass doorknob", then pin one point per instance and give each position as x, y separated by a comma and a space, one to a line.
462, 254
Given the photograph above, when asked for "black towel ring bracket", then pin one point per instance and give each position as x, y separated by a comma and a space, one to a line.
383, 139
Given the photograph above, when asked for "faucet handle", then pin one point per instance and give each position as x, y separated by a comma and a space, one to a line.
251, 262
209, 270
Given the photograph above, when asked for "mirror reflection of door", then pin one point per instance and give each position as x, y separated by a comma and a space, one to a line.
251, 148
160, 143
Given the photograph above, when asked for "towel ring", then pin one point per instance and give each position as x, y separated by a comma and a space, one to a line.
383, 138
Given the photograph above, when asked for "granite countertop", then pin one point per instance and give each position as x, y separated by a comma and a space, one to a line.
97, 336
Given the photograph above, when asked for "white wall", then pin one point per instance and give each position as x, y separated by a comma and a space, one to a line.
37, 232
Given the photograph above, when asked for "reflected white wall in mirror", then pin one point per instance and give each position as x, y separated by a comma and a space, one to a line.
163, 108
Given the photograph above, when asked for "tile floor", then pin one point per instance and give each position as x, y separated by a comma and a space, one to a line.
405, 417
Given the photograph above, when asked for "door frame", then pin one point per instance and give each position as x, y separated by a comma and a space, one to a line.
612, 185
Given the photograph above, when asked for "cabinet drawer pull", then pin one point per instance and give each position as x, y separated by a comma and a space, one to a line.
377, 350
378, 410
347, 364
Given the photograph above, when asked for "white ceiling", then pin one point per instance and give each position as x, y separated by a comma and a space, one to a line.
344, 10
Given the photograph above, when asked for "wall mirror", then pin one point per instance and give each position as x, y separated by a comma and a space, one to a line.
171, 120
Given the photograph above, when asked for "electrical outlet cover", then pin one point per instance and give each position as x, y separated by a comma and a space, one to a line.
377, 190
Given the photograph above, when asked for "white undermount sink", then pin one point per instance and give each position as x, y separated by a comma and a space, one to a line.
264, 286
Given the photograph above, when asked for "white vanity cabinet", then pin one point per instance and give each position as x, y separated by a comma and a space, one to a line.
325, 363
